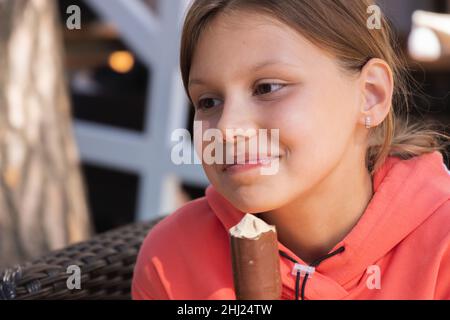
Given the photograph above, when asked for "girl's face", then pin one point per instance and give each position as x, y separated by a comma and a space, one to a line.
257, 73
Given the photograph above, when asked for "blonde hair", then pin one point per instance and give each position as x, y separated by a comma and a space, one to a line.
339, 27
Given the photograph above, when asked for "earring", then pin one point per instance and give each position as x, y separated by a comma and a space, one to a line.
368, 122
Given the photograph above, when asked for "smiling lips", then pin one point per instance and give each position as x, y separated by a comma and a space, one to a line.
250, 160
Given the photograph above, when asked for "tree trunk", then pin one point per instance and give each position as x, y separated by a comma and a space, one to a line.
42, 199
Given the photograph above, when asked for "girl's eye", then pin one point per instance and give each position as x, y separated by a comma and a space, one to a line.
207, 103
262, 89
265, 87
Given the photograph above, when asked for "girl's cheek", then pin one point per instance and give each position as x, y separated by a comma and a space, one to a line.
294, 119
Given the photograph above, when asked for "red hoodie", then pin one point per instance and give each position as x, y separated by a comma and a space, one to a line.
399, 249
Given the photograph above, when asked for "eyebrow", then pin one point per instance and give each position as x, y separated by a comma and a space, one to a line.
254, 68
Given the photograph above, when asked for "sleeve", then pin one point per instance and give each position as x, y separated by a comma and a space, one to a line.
442, 291
443, 279
146, 283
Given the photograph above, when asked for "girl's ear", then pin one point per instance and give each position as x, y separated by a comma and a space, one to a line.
377, 85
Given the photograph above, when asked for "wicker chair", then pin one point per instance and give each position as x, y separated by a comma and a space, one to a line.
106, 263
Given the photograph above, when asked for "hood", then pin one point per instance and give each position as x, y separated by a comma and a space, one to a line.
406, 193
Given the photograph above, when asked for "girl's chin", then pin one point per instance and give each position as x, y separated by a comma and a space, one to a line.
251, 202
248, 180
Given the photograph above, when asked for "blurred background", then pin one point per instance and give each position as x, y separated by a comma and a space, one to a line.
86, 112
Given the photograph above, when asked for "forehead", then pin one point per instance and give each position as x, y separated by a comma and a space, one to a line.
239, 41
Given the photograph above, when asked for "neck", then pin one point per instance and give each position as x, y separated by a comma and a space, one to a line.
314, 223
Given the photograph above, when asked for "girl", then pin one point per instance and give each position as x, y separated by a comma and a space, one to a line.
359, 194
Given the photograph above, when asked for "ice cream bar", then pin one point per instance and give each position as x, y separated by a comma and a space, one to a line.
255, 260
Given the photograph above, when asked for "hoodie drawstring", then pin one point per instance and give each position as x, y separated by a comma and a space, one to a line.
313, 264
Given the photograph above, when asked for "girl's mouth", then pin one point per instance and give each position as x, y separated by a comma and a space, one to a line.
249, 165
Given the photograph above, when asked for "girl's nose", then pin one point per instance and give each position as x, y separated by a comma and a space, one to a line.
237, 119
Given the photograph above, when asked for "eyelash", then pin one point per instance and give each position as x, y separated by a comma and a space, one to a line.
282, 85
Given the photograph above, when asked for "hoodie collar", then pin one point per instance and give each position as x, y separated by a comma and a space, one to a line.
406, 193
